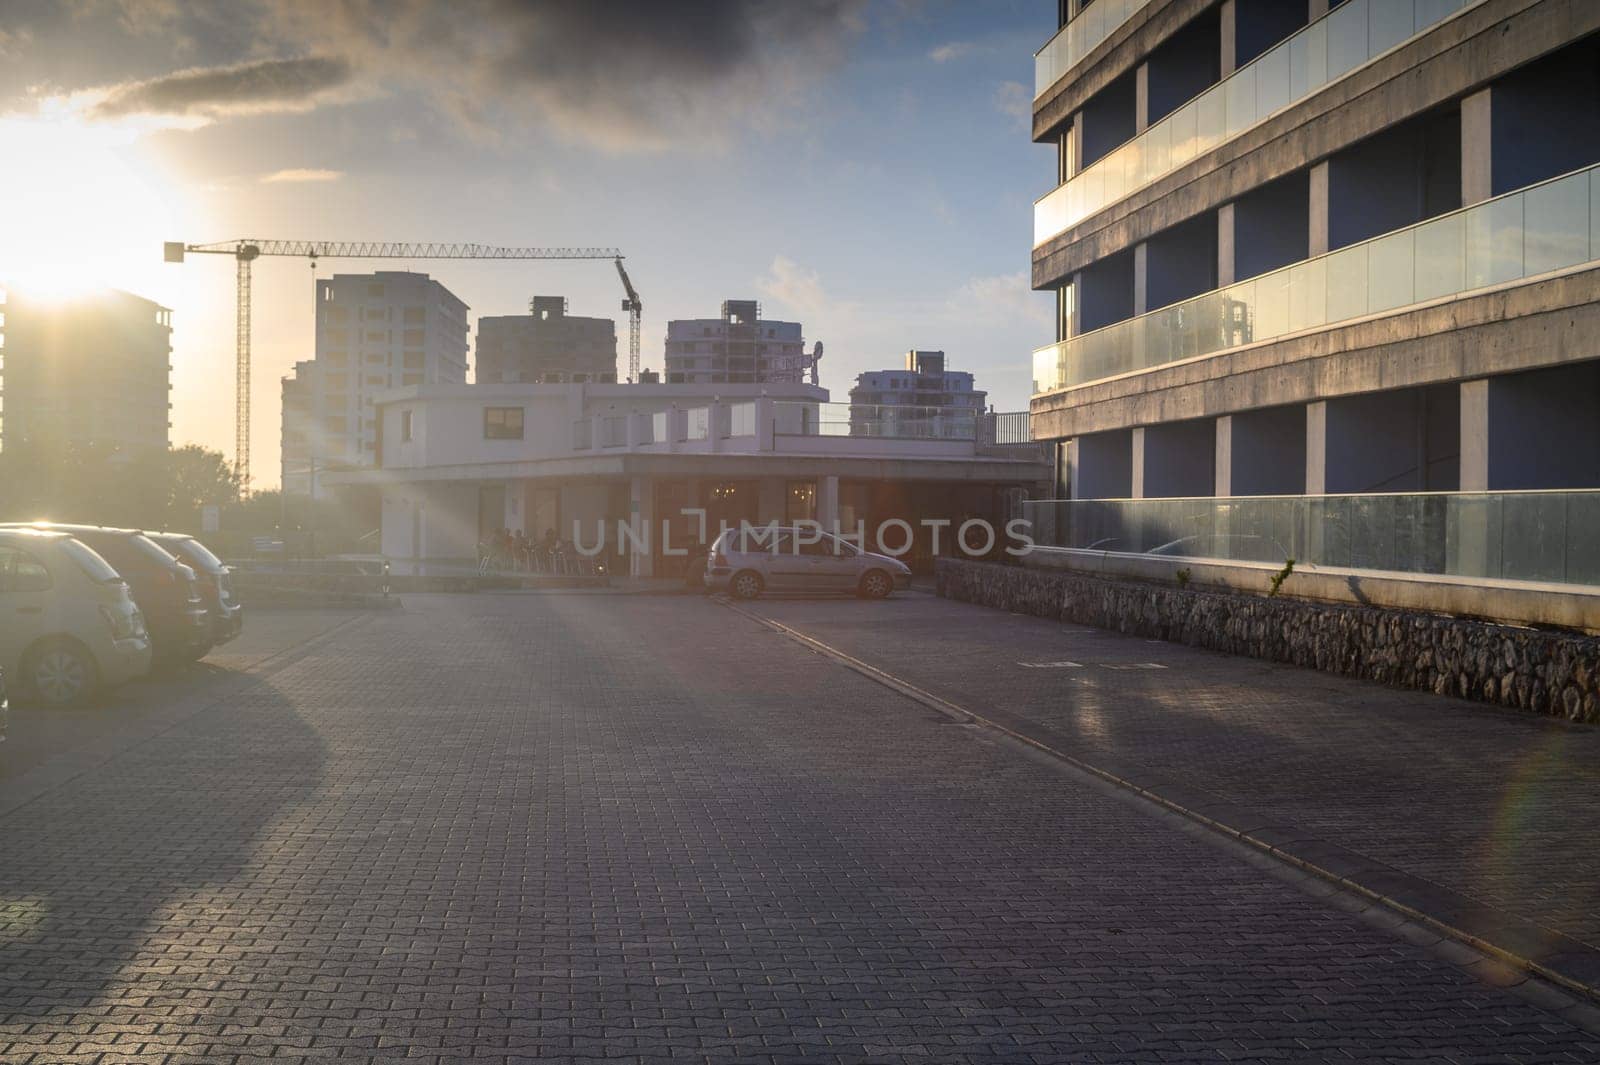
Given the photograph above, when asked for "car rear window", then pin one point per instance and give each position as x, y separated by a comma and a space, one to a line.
201, 553
89, 561
151, 550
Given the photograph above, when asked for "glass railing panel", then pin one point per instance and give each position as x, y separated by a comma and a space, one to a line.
1546, 227
1556, 222
1348, 37
697, 423
1494, 242
1078, 38
1540, 536
1391, 270
742, 419
1441, 257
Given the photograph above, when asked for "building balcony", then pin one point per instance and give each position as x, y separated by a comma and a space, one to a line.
1077, 39
1542, 229
1544, 537
1347, 38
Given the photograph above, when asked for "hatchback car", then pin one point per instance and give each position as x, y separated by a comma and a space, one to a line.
69, 623
164, 588
214, 579
746, 562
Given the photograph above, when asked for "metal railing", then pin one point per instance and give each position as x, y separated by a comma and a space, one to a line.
1550, 536
1011, 427
1542, 228
1077, 39
1349, 36
877, 420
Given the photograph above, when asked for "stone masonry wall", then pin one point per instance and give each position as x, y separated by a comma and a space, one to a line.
1545, 672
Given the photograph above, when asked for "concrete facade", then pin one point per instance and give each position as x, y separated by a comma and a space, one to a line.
1434, 135
93, 370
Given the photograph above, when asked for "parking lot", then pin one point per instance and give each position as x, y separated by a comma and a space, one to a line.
652, 828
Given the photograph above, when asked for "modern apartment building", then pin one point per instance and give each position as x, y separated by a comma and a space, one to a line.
546, 345
375, 332
739, 347
1344, 254
922, 395
92, 369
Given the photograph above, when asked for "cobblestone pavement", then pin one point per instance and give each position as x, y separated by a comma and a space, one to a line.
1499, 805
565, 828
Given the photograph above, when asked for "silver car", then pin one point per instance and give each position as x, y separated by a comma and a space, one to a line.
748, 561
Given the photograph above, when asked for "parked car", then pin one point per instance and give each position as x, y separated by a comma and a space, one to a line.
165, 589
70, 624
746, 562
213, 577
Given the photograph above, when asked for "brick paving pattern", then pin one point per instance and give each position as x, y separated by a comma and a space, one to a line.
1499, 805
568, 828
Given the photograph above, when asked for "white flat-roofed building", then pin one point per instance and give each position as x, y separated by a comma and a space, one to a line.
456, 463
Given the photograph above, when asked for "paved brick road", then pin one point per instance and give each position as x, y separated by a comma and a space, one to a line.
1499, 805
594, 828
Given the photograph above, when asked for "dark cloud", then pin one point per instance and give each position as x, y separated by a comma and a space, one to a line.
272, 84
624, 73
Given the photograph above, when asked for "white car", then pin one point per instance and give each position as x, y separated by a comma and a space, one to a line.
747, 562
68, 624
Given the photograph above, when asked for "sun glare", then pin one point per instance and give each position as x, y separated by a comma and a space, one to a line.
84, 209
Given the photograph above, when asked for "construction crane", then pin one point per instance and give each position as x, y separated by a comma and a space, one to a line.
246, 251
635, 307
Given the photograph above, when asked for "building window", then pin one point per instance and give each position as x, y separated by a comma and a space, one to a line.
416, 315
800, 503
502, 423
374, 290
405, 426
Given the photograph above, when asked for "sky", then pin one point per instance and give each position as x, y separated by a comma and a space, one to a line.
861, 166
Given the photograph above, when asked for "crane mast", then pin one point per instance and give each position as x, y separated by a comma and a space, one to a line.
246, 251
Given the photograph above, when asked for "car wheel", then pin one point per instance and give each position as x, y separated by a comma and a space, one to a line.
61, 673
746, 584
875, 584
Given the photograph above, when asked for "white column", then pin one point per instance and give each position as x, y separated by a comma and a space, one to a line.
828, 501
1477, 148
1317, 448
1141, 277
1317, 238
1073, 486
1230, 37
1137, 491
1225, 245
1141, 97
715, 413
1475, 436
642, 516
1224, 460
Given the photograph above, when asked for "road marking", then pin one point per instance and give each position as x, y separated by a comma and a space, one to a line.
1580, 1012
1126, 666
1051, 665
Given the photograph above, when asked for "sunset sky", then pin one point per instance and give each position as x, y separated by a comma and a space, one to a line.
862, 167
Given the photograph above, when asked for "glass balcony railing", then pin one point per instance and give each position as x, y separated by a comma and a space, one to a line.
1548, 537
1533, 231
1077, 39
1349, 36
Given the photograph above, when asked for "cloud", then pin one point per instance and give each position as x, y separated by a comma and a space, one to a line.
1013, 98
953, 50
245, 88
626, 75
794, 287
1006, 296
303, 175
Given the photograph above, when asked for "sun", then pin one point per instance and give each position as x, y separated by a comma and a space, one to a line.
83, 207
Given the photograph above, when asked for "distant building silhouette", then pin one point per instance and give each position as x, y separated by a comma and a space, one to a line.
924, 399
93, 369
740, 347
547, 345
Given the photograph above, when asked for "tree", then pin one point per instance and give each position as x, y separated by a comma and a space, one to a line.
94, 484
193, 477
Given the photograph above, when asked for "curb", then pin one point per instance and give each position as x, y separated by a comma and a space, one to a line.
1569, 963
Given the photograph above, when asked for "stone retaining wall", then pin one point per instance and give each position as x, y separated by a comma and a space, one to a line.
1545, 672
